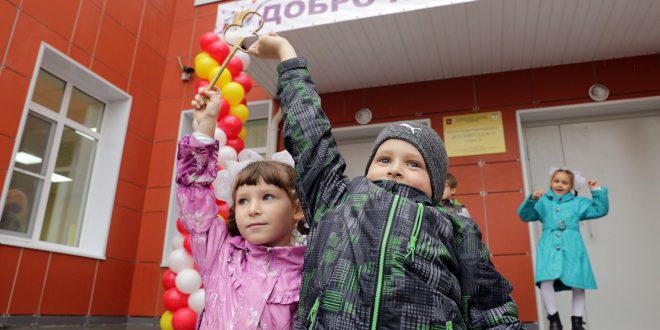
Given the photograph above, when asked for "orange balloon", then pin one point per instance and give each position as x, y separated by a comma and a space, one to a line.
240, 111
233, 92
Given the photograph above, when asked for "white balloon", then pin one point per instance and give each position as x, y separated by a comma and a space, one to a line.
188, 281
196, 301
220, 136
232, 36
245, 58
225, 154
177, 241
179, 260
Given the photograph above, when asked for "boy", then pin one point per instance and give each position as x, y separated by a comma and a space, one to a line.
381, 253
448, 202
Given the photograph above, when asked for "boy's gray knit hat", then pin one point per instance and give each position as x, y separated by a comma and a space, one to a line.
429, 144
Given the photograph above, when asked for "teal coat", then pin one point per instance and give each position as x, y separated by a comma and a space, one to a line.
561, 254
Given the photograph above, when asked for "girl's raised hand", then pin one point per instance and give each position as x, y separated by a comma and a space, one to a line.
593, 184
537, 194
272, 46
206, 114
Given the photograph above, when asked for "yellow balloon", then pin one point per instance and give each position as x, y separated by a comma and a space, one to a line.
243, 133
201, 55
233, 92
166, 321
225, 76
240, 111
204, 66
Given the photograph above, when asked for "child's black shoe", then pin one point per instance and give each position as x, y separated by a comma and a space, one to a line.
555, 322
577, 322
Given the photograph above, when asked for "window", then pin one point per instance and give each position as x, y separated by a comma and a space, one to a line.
256, 139
60, 186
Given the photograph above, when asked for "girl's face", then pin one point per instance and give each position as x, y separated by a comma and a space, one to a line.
265, 214
561, 183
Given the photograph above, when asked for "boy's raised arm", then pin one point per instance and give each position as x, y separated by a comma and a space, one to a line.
307, 136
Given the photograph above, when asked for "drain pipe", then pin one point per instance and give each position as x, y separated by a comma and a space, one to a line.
273, 134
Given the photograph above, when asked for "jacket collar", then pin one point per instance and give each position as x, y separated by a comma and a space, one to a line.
559, 198
404, 190
278, 257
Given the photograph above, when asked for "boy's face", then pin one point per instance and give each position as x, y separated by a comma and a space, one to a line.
400, 161
449, 191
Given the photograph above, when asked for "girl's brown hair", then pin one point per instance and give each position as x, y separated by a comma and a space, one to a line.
271, 172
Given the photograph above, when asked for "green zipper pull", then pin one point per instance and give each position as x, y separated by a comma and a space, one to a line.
312, 313
449, 325
415, 232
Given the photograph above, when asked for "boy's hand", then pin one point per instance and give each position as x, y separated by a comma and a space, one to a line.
272, 46
206, 114
537, 194
593, 184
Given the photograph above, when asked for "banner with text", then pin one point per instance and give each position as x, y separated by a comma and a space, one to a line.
284, 15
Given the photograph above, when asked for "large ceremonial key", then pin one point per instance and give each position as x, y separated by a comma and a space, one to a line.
237, 45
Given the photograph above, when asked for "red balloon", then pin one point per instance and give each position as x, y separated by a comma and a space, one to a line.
244, 102
184, 319
169, 279
200, 83
179, 227
223, 209
236, 143
186, 243
173, 299
232, 125
235, 66
224, 108
207, 39
244, 80
218, 51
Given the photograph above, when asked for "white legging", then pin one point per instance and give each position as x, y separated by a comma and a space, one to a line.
548, 294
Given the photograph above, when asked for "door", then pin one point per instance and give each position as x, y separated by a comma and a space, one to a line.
624, 155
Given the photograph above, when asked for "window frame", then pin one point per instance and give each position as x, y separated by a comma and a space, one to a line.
263, 110
107, 159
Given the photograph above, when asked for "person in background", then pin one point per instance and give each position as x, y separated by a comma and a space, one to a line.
448, 200
562, 262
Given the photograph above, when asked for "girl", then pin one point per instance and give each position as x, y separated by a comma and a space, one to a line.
562, 262
250, 270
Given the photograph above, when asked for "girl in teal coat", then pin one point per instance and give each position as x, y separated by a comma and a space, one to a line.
562, 262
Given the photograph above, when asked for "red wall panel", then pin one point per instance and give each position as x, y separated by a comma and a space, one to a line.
9, 256
507, 234
68, 285
30, 283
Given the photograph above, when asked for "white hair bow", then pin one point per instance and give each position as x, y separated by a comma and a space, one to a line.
579, 181
224, 182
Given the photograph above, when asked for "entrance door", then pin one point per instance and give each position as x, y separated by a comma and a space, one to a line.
624, 155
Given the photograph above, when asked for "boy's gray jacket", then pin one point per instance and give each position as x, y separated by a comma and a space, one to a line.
380, 254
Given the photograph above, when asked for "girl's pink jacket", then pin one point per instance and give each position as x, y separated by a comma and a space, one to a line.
246, 286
